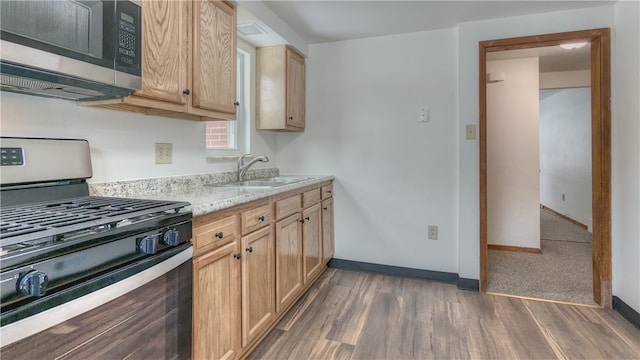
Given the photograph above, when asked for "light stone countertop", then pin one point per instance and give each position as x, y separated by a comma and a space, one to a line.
205, 199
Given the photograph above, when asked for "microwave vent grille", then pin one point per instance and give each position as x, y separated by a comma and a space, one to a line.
20, 82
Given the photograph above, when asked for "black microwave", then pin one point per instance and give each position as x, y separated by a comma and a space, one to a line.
80, 43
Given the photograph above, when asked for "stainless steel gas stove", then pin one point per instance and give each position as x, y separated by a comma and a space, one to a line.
58, 244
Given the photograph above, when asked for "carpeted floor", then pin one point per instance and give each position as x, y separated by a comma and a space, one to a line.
562, 272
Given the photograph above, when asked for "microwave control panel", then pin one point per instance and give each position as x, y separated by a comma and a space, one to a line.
128, 34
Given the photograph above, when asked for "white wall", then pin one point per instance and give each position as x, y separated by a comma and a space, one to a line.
469, 34
513, 184
565, 79
123, 143
394, 175
565, 152
625, 152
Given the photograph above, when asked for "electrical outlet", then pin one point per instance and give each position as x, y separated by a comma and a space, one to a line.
164, 153
432, 231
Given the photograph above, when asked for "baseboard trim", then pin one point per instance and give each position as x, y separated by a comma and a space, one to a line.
576, 222
626, 311
439, 276
514, 248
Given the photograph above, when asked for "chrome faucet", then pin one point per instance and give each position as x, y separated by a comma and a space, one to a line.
242, 168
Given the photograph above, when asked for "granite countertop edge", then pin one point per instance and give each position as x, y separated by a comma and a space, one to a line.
206, 199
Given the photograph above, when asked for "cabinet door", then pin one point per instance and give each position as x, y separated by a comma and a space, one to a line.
214, 56
258, 283
327, 229
216, 304
165, 36
288, 260
295, 89
312, 242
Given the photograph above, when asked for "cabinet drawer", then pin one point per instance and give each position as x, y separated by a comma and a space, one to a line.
310, 197
287, 206
214, 234
255, 219
327, 191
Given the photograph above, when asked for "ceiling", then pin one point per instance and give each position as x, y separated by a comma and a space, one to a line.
331, 20
326, 21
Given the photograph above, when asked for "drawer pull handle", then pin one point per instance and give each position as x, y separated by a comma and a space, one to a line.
220, 235
261, 218
249, 249
237, 256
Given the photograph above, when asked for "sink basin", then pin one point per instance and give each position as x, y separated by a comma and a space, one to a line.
264, 183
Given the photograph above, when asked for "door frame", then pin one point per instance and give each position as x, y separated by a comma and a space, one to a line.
600, 40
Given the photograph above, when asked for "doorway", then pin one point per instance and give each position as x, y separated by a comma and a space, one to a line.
600, 140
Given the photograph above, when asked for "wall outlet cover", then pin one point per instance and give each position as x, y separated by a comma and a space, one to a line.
164, 153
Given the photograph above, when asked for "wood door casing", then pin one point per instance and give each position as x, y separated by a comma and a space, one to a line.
165, 48
214, 72
216, 304
258, 283
600, 147
289, 277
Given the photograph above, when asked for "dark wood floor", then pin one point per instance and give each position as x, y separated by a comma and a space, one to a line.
352, 315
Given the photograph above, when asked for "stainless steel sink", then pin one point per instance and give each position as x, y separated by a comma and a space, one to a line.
264, 183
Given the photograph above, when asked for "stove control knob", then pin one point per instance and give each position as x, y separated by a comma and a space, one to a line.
33, 283
147, 245
171, 237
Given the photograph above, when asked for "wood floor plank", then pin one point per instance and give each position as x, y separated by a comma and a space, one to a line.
501, 327
361, 316
578, 335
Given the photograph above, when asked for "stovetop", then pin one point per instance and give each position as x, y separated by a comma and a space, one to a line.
45, 224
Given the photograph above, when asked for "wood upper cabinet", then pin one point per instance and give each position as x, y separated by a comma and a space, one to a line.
327, 229
165, 48
258, 283
214, 57
312, 242
281, 89
188, 61
289, 277
216, 304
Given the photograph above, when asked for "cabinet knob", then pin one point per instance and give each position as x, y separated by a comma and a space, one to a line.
261, 218
290, 117
249, 249
307, 218
329, 191
237, 103
220, 235
302, 221
186, 91
326, 208
237, 256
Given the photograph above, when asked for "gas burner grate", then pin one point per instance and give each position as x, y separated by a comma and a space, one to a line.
26, 222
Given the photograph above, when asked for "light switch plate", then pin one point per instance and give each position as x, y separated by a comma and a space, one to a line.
470, 131
164, 153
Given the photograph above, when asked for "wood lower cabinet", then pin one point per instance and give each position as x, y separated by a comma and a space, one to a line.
251, 264
289, 276
327, 229
258, 283
312, 242
216, 304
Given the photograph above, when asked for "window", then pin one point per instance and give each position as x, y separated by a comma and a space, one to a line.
230, 138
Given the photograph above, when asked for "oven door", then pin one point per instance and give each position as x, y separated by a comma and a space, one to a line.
146, 315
